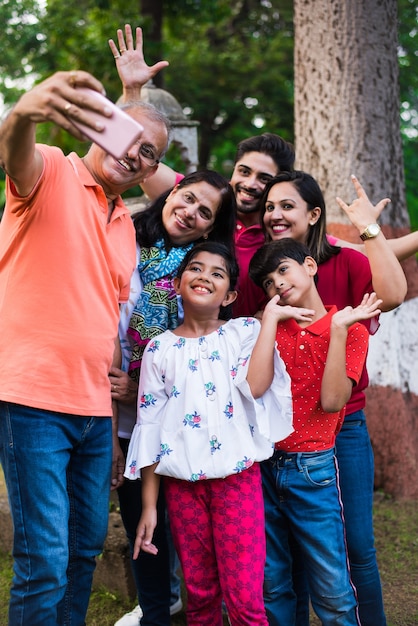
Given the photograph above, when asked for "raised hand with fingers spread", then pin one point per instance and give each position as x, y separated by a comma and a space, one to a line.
130, 63
390, 285
361, 212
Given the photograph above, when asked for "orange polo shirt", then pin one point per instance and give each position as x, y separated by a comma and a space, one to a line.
63, 271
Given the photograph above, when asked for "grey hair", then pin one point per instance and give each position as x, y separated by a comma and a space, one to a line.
153, 113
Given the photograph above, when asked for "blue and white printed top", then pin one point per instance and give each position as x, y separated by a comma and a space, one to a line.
196, 415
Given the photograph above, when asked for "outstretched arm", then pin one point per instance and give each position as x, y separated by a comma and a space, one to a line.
389, 280
163, 180
336, 387
405, 246
53, 100
402, 247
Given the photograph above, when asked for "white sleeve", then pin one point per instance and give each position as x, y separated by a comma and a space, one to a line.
274, 410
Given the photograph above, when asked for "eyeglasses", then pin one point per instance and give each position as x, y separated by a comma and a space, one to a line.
147, 154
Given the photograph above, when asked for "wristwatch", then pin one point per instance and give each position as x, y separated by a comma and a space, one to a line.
371, 231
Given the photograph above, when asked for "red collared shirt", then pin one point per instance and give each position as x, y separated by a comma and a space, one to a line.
304, 351
250, 297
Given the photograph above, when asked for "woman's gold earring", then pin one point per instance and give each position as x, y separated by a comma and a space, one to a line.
205, 236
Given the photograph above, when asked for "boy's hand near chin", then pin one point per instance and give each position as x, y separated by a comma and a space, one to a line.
279, 313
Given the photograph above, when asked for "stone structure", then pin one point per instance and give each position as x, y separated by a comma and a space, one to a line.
392, 401
184, 131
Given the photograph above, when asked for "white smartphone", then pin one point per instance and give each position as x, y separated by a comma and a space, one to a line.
120, 131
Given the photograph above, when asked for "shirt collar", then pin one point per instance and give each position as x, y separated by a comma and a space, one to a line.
241, 227
87, 180
317, 328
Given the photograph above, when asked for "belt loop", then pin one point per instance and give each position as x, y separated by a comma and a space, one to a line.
298, 459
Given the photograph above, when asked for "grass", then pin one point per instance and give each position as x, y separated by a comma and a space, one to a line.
396, 529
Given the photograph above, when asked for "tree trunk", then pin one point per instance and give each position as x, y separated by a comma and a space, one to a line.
347, 122
347, 101
152, 12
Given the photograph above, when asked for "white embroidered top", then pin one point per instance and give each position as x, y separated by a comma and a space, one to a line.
196, 415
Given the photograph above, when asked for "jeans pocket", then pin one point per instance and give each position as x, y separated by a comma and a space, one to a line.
320, 473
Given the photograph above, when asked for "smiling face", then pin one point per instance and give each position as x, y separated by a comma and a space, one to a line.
292, 281
116, 176
287, 214
189, 212
205, 283
251, 174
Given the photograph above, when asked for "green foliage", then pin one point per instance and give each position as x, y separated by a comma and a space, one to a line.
221, 53
411, 179
20, 45
408, 81
408, 57
231, 65
5, 581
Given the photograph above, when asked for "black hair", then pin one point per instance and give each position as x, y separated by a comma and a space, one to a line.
282, 152
268, 257
231, 264
149, 226
311, 193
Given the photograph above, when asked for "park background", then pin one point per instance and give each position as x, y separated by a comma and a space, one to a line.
338, 78
232, 68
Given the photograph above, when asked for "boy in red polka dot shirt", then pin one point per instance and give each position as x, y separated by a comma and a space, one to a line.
324, 351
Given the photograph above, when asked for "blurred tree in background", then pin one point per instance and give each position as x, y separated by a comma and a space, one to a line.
408, 81
231, 64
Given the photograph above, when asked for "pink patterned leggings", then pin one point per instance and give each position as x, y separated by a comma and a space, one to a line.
218, 531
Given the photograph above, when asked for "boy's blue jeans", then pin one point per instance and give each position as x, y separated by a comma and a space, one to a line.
57, 470
356, 472
301, 495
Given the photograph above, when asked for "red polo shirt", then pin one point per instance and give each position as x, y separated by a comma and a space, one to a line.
304, 351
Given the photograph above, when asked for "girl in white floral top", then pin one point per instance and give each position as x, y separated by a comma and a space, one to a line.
199, 426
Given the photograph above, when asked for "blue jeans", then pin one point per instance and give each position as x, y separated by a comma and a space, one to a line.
356, 463
57, 469
301, 495
151, 572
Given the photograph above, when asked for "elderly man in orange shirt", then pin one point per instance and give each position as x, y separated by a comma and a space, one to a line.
67, 252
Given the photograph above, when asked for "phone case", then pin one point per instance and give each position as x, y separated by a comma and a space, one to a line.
120, 131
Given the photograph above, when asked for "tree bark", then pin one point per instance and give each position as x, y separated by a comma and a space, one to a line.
152, 11
347, 122
347, 101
